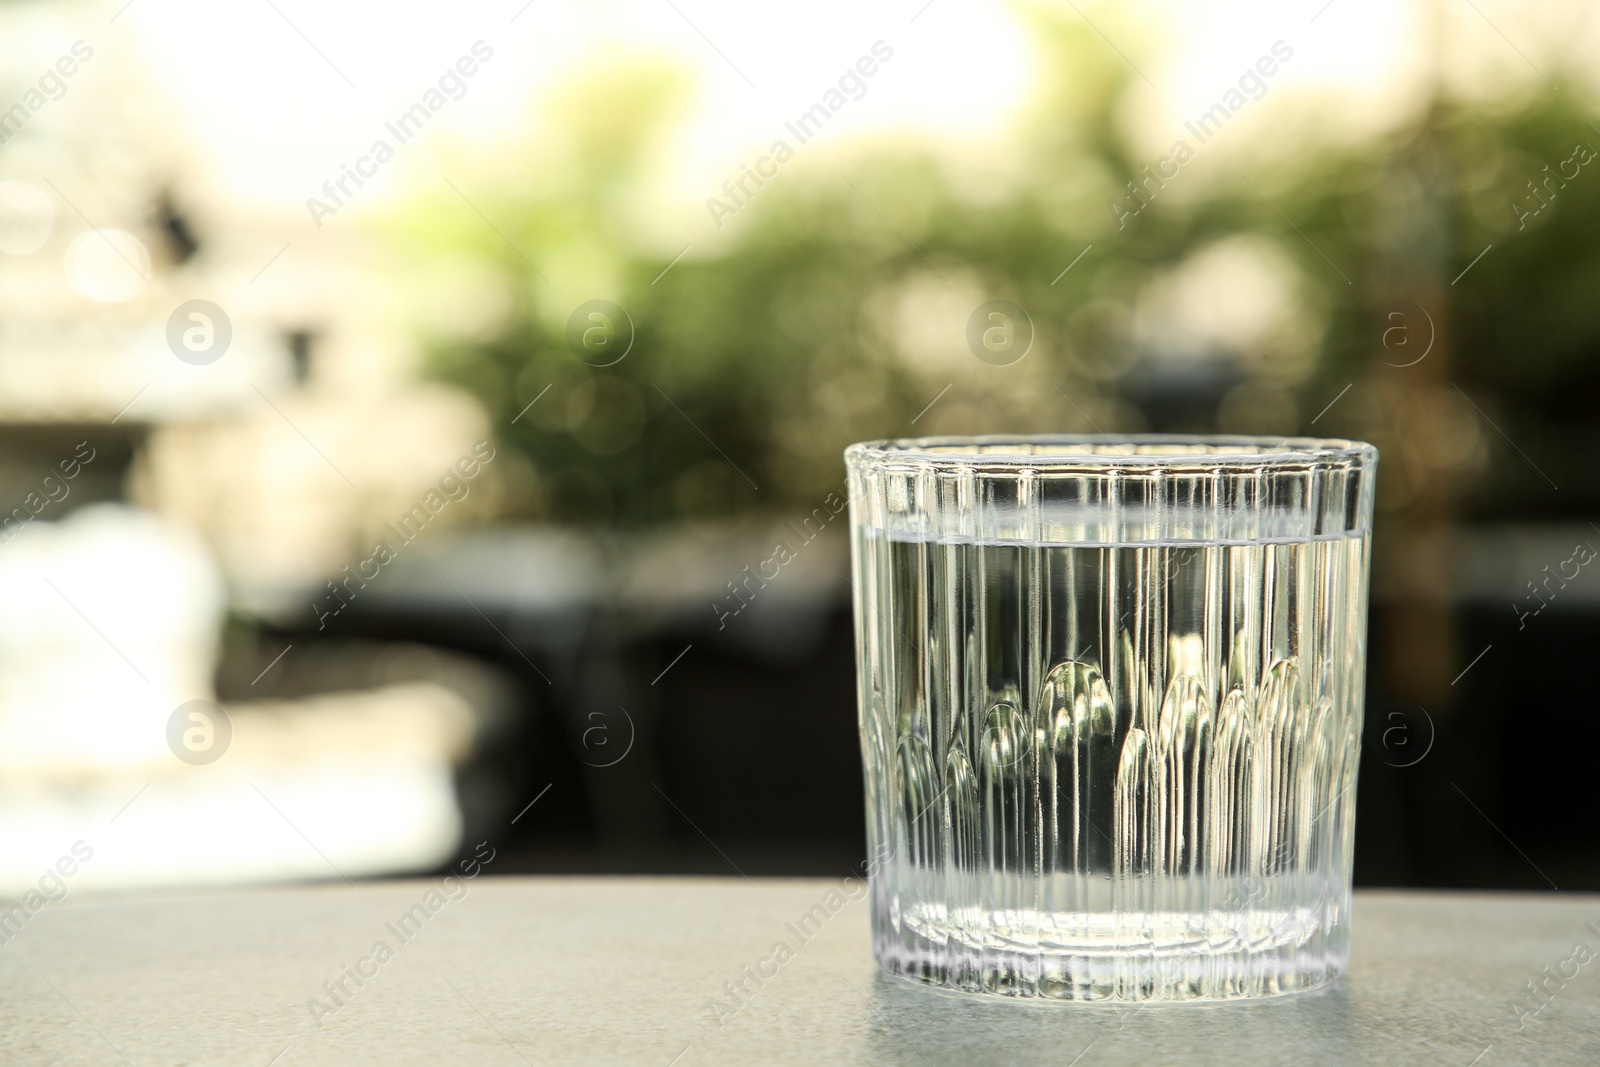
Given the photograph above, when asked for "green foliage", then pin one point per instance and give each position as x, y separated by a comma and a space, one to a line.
836, 312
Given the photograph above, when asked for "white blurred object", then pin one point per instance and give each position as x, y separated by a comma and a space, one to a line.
342, 786
112, 623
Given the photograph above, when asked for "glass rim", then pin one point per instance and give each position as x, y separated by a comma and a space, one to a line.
1139, 452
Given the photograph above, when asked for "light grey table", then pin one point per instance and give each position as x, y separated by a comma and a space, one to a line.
615, 970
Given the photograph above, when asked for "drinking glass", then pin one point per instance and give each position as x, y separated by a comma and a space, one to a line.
1110, 697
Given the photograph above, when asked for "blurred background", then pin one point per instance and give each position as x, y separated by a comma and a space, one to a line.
396, 403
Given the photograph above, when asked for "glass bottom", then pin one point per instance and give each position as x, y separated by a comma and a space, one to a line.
1151, 956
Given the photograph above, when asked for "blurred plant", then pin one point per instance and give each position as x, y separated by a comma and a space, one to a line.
1244, 300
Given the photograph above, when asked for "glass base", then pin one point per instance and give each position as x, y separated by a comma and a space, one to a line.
1156, 956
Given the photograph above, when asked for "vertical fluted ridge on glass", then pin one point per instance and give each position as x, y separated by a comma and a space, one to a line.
1110, 700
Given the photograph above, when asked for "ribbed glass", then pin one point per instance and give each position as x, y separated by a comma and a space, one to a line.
1110, 700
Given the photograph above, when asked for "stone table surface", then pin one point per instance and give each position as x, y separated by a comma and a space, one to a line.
626, 970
